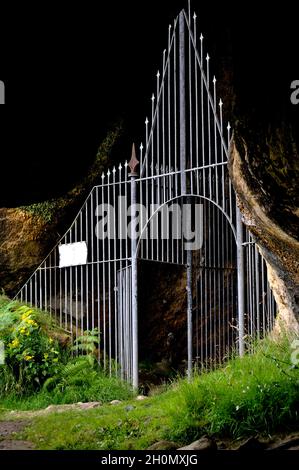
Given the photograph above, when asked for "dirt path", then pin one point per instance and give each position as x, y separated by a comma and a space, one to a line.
8, 429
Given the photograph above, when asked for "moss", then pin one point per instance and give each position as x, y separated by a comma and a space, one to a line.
45, 210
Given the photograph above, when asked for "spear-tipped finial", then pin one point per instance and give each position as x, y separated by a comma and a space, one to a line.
201, 37
194, 16
133, 163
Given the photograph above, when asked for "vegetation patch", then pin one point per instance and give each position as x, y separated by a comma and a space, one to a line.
257, 394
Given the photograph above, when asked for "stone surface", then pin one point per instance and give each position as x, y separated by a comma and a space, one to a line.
203, 444
290, 442
115, 402
251, 444
268, 198
141, 397
73, 406
163, 445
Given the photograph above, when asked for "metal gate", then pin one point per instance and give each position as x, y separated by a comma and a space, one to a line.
90, 278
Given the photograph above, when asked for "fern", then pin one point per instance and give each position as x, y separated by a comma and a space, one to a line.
88, 342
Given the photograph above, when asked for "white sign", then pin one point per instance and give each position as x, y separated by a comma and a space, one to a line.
72, 254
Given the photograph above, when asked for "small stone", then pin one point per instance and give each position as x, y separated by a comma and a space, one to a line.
115, 402
141, 397
90, 405
129, 408
204, 444
163, 445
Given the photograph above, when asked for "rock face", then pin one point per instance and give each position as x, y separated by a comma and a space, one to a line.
265, 175
24, 239
28, 233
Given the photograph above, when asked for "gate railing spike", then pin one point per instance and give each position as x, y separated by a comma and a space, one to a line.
133, 163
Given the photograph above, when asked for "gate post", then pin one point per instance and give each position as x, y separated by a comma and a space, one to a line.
241, 281
184, 189
133, 175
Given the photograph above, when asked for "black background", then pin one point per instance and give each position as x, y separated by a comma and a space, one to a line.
72, 70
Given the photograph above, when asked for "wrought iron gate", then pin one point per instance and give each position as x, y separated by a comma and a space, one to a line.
183, 162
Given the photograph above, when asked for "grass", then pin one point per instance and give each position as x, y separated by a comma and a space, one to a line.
104, 389
257, 394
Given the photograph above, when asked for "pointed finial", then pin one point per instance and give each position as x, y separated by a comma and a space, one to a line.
114, 170
158, 74
120, 167
208, 58
153, 97
201, 37
146, 121
220, 103
194, 16
228, 127
126, 164
103, 175
214, 80
133, 163
169, 27
141, 146
108, 173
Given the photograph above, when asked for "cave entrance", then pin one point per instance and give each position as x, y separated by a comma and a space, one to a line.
165, 330
184, 159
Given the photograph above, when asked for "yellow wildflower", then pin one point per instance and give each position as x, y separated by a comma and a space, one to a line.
26, 314
28, 358
15, 343
22, 331
51, 340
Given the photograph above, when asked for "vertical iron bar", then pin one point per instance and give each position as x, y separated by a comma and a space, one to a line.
183, 143
134, 288
241, 281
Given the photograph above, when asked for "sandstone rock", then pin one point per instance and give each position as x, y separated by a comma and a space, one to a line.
90, 405
203, 444
163, 445
115, 402
141, 397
